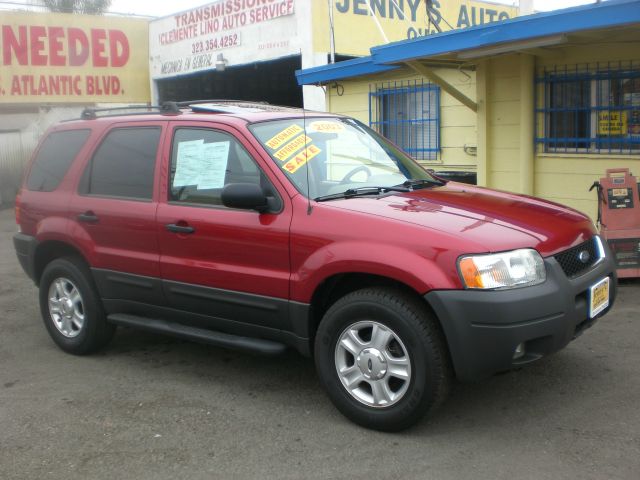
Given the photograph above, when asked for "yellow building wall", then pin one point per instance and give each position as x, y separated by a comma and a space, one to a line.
457, 122
355, 31
116, 71
566, 178
559, 177
503, 123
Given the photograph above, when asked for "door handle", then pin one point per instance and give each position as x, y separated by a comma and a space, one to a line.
88, 217
172, 227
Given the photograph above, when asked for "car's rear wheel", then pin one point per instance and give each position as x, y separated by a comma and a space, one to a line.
381, 357
71, 309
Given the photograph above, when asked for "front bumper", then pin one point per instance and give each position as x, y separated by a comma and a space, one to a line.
483, 328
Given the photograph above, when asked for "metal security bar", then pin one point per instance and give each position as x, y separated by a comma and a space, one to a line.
589, 108
407, 113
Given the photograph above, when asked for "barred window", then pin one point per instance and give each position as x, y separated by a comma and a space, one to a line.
408, 114
591, 108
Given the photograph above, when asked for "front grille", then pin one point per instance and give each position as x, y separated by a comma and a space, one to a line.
570, 262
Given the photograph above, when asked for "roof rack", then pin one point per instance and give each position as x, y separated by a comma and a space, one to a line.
232, 106
224, 106
219, 105
168, 108
188, 103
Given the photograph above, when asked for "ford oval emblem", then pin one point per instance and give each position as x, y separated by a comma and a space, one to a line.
584, 256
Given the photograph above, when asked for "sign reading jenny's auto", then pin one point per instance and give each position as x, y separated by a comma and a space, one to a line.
243, 31
355, 31
61, 58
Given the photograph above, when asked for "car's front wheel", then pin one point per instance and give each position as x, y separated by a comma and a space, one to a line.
382, 358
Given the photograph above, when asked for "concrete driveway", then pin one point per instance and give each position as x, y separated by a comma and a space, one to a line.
153, 407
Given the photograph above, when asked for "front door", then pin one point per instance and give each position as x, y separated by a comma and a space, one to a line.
230, 266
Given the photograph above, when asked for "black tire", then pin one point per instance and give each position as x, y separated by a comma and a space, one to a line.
94, 332
421, 340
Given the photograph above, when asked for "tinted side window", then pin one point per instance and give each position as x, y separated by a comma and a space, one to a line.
124, 164
54, 159
204, 161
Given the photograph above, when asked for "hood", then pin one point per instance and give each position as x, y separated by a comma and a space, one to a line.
497, 220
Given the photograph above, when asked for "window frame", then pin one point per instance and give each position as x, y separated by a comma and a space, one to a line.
88, 168
216, 128
383, 94
599, 78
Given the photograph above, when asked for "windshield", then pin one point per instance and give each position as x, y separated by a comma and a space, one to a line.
336, 155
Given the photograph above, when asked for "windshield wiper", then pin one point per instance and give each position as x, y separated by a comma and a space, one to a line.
421, 183
360, 191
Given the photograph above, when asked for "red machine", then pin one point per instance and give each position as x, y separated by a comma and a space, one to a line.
619, 219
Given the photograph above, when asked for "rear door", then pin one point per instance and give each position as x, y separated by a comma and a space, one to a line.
228, 264
114, 213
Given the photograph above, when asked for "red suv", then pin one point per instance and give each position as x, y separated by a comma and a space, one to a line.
259, 228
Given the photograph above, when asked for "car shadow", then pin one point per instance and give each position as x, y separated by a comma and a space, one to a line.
504, 400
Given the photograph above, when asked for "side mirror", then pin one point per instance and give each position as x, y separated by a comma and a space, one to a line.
247, 196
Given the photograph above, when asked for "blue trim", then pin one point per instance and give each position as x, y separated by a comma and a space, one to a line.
609, 14
607, 108
340, 70
599, 140
609, 73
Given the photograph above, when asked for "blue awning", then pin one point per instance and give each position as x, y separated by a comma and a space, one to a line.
336, 71
608, 14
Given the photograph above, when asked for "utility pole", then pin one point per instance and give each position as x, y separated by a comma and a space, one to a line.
332, 36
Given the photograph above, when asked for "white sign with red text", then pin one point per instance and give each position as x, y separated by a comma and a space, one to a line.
244, 31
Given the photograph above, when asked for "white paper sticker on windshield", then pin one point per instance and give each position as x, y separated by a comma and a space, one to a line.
325, 126
188, 163
213, 166
201, 164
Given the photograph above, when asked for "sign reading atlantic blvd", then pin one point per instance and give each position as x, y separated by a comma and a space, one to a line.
98, 59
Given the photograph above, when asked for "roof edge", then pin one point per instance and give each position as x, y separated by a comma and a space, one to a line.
340, 70
568, 20
611, 13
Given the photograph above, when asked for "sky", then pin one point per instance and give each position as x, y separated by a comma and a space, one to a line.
157, 8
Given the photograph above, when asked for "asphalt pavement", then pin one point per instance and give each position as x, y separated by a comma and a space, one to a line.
151, 407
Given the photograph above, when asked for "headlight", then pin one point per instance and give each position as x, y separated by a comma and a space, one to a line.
518, 268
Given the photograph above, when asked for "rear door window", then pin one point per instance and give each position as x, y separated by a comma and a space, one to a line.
124, 164
54, 158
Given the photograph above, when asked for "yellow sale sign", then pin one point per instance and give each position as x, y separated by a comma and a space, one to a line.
65, 58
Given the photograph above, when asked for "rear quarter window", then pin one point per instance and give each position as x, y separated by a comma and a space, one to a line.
54, 158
